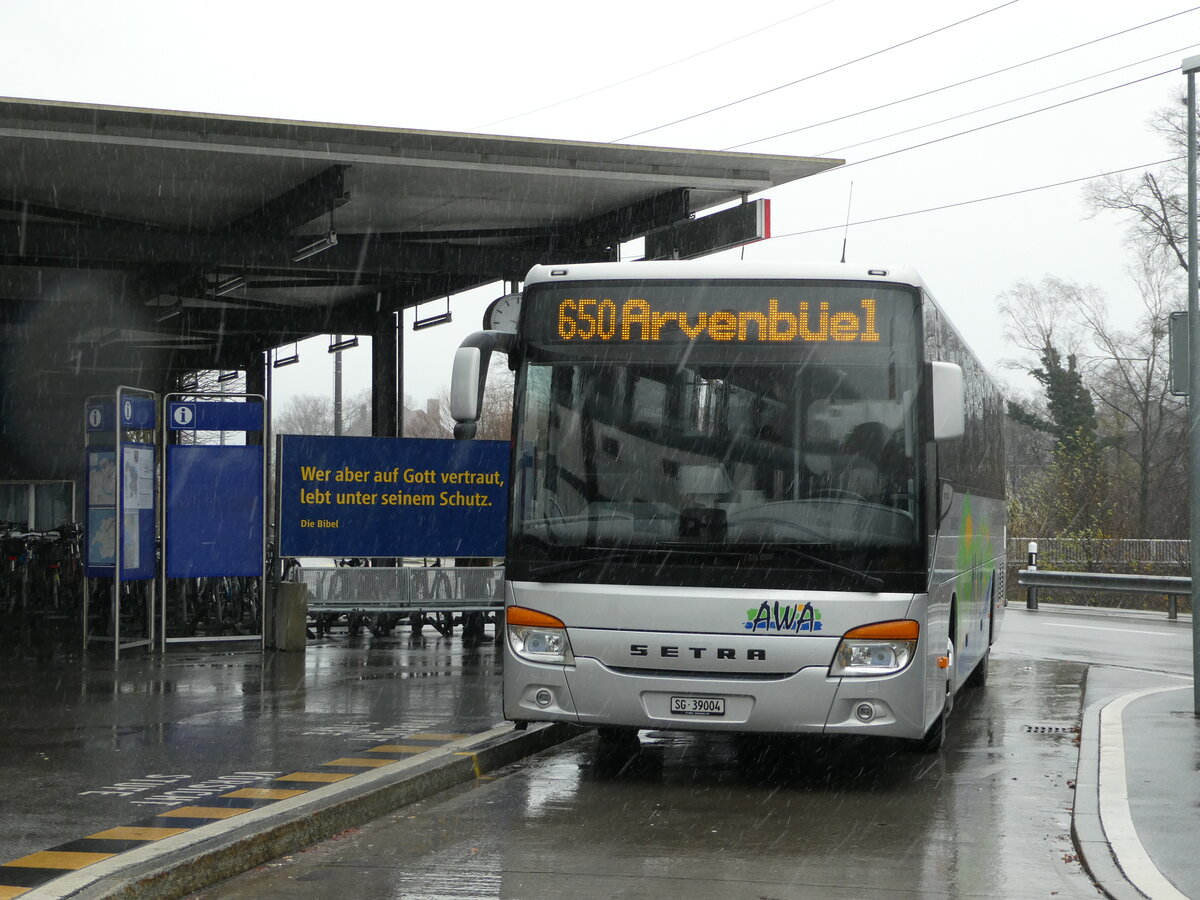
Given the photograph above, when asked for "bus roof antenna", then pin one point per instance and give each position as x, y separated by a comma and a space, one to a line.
846, 232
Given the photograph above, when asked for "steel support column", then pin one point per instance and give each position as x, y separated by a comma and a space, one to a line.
256, 383
387, 379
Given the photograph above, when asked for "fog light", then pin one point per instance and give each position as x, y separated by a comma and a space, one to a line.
864, 712
543, 697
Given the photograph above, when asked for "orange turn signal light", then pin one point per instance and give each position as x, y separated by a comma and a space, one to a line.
943, 662
519, 615
897, 630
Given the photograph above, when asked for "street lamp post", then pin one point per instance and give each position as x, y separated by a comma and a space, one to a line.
1190, 66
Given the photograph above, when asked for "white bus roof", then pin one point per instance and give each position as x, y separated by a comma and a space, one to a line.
705, 268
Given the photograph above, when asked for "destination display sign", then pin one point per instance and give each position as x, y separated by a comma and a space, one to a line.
648, 313
637, 319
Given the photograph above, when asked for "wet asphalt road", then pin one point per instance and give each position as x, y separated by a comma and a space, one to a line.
705, 817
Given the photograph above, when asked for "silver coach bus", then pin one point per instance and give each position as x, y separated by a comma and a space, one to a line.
744, 497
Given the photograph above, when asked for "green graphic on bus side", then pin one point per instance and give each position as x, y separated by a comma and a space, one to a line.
971, 549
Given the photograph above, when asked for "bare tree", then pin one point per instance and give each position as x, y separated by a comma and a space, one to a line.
495, 414
313, 414
1037, 316
1135, 420
1132, 372
1070, 495
1129, 377
495, 419
1040, 321
428, 422
1155, 202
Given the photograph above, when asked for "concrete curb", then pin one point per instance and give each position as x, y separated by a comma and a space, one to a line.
1087, 831
174, 867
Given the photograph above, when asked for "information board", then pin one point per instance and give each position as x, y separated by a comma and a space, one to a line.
215, 511
353, 496
136, 509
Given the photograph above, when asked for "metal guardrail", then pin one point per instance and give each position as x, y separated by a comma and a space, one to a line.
406, 589
1170, 585
1117, 552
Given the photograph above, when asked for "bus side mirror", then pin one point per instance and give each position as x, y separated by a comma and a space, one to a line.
948, 403
465, 391
468, 378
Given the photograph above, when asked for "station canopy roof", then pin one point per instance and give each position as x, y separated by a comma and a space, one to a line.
206, 236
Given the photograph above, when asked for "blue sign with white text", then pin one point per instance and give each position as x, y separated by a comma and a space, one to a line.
354, 496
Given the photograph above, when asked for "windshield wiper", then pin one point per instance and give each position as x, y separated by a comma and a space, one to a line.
601, 556
605, 555
864, 577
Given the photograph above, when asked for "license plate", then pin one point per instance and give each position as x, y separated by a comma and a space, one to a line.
698, 706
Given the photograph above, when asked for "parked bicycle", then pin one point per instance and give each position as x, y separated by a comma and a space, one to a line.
41, 572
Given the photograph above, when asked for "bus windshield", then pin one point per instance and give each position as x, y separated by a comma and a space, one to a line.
689, 449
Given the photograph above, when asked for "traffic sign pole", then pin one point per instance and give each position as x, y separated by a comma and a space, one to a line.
1190, 66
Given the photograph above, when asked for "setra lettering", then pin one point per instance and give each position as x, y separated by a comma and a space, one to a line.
667, 651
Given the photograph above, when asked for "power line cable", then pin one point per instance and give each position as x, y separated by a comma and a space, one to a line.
809, 77
656, 69
960, 203
1033, 112
1008, 102
956, 84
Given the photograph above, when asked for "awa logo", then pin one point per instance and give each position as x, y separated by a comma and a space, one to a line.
773, 617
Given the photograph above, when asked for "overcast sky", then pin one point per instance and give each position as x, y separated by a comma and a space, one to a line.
764, 77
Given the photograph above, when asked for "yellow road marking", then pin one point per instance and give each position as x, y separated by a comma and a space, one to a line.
58, 859
264, 793
201, 812
474, 763
62, 859
135, 833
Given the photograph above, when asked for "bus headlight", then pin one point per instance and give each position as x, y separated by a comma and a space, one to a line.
538, 637
884, 648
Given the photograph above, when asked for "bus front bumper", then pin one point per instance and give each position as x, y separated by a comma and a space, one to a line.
809, 701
